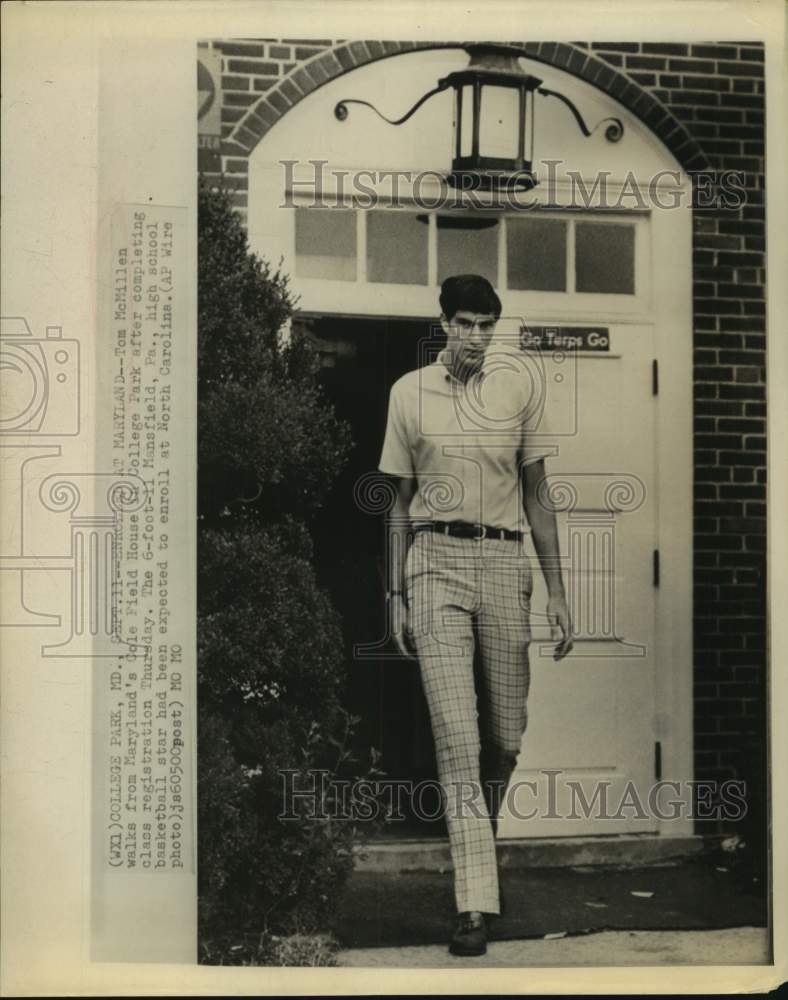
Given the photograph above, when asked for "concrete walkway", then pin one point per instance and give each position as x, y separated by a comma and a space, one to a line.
736, 946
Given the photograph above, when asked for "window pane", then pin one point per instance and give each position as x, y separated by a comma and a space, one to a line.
396, 248
465, 248
605, 257
536, 254
325, 241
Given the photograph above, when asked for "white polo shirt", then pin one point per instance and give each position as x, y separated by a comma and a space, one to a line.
465, 443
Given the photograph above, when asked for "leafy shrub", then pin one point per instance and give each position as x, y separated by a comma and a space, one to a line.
270, 672
269, 639
266, 431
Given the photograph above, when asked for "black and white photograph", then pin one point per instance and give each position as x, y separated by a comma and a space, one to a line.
482, 500
392, 431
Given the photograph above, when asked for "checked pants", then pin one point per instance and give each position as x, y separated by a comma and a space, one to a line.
465, 595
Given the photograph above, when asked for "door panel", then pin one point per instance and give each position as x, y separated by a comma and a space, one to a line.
590, 729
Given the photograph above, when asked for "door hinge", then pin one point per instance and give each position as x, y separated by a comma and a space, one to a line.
658, 760
656, 567
654, 377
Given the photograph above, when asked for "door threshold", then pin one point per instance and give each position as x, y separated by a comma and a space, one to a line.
627, 850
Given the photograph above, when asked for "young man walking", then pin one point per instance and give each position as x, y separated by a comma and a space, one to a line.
460, 442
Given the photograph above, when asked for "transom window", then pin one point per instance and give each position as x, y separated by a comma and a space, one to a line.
325, 244
536, 251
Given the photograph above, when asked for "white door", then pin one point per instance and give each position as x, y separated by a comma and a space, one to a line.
588, 755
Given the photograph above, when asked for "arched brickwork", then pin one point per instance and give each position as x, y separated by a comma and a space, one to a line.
344, 57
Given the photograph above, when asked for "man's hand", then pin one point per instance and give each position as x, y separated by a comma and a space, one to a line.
560, 626
398, 620
545, 538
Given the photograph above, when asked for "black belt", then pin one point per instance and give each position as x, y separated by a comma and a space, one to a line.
463, 529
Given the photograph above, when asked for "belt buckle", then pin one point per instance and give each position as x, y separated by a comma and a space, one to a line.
478, 538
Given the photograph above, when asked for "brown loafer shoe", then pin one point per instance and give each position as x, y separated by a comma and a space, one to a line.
470, 934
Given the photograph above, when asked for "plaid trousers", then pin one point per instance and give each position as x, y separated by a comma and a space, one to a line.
463, 594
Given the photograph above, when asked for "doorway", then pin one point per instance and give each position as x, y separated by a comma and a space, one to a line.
361, 359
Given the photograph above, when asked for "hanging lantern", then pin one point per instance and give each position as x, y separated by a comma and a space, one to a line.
494, 119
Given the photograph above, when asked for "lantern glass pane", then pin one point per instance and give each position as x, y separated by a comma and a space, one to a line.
325, 243
466, 121
528, 125
499, 130
396, 248
536, 254
455, 125
471, 250
605, 257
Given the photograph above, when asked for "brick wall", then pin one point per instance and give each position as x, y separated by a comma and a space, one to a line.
251, 68
716, 92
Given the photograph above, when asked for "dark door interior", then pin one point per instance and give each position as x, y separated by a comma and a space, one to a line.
361, 359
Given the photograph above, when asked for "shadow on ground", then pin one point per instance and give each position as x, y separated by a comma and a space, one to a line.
416, 908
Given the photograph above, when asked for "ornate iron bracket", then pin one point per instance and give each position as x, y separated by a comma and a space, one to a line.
341, 110
613, 132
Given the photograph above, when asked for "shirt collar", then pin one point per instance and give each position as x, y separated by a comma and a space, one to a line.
448, 375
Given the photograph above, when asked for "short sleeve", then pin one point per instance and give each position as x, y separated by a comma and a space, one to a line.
396, 458
537, 441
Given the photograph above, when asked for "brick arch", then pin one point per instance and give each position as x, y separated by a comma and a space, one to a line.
343, 57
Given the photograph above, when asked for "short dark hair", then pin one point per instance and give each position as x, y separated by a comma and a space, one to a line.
471, 292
